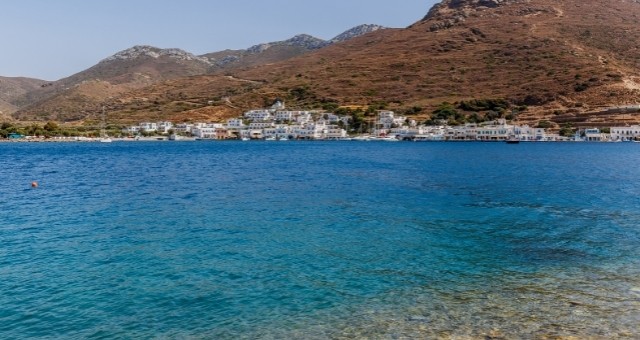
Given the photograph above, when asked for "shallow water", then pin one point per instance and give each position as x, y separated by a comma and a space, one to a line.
319, 240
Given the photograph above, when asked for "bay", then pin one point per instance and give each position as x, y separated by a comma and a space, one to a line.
319, 240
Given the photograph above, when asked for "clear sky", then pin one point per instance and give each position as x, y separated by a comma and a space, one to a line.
53, 39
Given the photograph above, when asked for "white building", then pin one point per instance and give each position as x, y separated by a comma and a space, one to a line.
148, 127
183, 128
334, 132
625, 133
304, 118
235, 123
593, 135
204, 132
278, 106
164, 127
260, 125
311, 131
388, 120
282, 116
131, 130
258, 115
526, 133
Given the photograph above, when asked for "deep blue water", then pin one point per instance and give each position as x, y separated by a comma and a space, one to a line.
319, 240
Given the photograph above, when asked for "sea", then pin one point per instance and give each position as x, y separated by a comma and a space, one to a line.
319, 240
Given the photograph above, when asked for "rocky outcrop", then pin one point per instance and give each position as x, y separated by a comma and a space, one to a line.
449, 13
302, 40
143, 51
356, 32
299, 44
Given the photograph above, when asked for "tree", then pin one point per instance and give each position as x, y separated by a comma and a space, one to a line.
566, 131
544, 124
51, 126
448, 113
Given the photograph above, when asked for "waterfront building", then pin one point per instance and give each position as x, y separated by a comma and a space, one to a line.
527, 133
625, 133
388, 120
593, 135
334, 132
164, 127
183, 128
148, 127
204, 132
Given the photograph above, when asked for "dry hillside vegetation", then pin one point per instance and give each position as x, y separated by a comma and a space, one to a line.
565, 61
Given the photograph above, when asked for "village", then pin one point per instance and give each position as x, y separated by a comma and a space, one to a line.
277, 123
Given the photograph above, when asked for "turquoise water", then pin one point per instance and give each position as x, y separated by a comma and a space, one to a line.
319, 240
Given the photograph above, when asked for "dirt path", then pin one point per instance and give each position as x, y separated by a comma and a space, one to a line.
244, 80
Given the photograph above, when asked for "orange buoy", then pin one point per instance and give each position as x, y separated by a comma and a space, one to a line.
34, 184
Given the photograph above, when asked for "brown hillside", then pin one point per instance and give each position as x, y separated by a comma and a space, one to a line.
565, 60
14, 90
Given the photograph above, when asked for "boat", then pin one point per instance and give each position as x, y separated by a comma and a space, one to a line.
245, 139
270, 138
103, 135
512, 140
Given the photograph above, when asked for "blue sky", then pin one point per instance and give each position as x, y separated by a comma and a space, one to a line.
52, 39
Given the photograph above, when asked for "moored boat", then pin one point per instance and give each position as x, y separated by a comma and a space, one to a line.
512, 140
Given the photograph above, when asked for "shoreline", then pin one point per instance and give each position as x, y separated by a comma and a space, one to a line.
160, 139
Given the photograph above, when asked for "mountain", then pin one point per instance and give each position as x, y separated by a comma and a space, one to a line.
83, 94
72, 98
281, 50
564, 61
13, 91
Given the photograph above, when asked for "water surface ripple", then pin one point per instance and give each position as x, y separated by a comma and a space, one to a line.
319, 240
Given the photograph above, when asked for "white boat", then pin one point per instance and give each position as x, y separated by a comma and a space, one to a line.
512, 140
385, 139
245, 139
103, 136
270, 138
361, 138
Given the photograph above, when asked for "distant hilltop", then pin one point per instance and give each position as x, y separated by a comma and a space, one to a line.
559, 62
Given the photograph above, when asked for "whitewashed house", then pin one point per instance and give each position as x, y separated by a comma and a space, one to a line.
164, 127
258, 115
131, 130
260, 125
148, 127
527, 133
335, 132
304, 118
285, 116
625, 133
593, 135
204, 132
183, 128
388, 120
235, 123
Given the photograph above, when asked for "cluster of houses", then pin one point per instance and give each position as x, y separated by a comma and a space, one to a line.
276, 123
272, 123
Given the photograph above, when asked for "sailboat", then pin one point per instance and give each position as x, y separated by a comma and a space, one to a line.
103, 136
